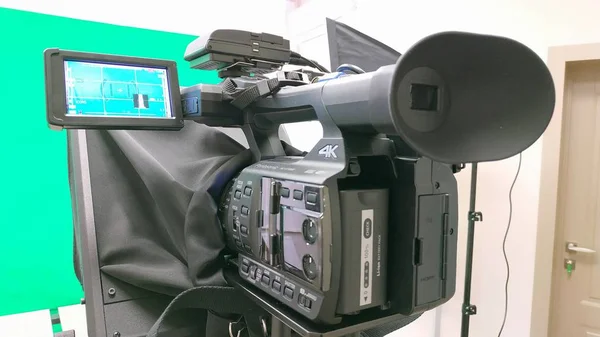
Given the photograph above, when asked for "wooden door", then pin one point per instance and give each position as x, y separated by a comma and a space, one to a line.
575, 306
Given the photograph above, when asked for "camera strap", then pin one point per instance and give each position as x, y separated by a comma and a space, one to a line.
219, 299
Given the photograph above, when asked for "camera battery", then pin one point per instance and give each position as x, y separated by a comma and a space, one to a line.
364, 215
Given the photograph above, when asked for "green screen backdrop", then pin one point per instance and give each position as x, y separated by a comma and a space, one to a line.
36, 270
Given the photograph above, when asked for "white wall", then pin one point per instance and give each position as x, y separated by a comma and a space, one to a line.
181, 16
537, 23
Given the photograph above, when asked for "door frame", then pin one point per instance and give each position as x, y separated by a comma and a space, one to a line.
558, 58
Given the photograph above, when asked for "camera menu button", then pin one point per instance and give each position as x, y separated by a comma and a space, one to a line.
265, 279
298, 194
311, 197
276, 285
288, 292
304, 301
245, 267
301, 300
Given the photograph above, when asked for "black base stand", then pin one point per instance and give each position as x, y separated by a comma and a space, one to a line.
278, 329
469, 309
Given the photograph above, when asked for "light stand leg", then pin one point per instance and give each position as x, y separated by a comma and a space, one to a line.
468, 309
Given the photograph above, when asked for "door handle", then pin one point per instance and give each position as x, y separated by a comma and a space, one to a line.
572, 247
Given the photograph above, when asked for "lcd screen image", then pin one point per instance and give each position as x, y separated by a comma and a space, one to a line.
110, 90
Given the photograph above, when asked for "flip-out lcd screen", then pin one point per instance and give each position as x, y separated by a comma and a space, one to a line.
103, 91
110, 90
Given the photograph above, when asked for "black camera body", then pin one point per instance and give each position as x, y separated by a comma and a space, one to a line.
362, 228
326, 244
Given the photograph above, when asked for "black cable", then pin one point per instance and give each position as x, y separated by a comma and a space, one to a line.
510, 204
315, 64
350, 67
304, 61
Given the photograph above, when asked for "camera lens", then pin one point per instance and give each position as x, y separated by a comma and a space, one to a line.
309, 231
310, 267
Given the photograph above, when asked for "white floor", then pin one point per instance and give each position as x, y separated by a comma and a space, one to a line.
73, 318
39, 323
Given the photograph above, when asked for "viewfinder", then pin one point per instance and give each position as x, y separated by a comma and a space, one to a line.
423, 97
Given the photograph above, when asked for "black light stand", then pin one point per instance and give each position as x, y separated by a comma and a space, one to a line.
469, 309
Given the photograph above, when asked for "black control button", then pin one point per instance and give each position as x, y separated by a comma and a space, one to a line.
307, 303
310, 231
236, 224
276, 285
248, 191
245, 210
248, 248
298, 194
285, 192
288, 292
301, 299
239, 243
259, 273
310, 266
245, 266
311, 197
253, 271
238, 194
265, 279
244, 230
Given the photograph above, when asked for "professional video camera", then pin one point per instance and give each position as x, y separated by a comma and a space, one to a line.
362, 229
